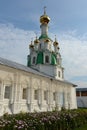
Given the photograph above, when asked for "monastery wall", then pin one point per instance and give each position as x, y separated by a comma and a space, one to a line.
28, 92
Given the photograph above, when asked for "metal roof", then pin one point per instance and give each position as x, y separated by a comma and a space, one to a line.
15, 65
18, 66
81, 89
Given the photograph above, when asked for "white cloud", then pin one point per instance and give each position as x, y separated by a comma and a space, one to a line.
14, 44
74, 54
82, 84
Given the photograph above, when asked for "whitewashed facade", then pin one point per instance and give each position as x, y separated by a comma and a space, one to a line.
24, 89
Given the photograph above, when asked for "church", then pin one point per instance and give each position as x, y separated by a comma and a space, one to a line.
39, 86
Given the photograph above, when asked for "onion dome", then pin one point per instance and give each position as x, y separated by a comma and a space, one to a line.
55, 42
44, 18
47, 40
58, 48
36, 41
31, 45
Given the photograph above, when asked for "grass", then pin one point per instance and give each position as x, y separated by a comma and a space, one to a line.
82, 128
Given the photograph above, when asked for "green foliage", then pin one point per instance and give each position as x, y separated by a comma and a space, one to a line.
84, 127
63, 120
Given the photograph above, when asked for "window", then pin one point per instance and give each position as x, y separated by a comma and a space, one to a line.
36, 94
45, 95
58, 73
84, 93
46, 59
34, 60
77, 93
7, 92
40, 45
54, 96
24, 94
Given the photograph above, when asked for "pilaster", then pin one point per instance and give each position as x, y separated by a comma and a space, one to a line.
16, 105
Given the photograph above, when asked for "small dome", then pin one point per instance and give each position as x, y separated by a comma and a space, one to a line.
31, 45
58, 48
55, 42
36, 41
47, 40
44, 18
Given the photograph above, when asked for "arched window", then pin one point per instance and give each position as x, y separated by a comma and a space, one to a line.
46, 59
45, 95
36, 94
40, 45
24, 93
34, 60
59, 74
7, 92
54, 96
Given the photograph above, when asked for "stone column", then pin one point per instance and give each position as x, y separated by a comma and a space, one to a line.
40, 98
31, 95
12, 93
16, 106
40, 94
28, 94
51, 100
65, 100
48, 100
58, 105
50, 95
69, 100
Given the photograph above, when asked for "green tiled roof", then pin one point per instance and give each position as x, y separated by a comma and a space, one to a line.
44, 36
53, 59
40, 58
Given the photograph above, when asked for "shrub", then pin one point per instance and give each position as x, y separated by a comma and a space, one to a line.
64, 120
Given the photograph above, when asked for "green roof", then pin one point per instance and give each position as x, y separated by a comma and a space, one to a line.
44, 36
53, 59
40, 58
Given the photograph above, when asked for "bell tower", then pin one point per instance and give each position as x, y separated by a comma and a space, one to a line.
42, 57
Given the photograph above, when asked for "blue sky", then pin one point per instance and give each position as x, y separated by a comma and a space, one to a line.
19, 21
65, 14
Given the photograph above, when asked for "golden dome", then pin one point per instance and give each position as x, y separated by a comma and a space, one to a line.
55, 43
31, 45
36, 41
58, 48
44, 18
47, 40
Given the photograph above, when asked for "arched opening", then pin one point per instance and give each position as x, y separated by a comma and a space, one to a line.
34, 60
24, 88
46, 59
59, 74
40, 45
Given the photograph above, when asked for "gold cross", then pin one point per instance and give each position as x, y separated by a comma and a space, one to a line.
45, 9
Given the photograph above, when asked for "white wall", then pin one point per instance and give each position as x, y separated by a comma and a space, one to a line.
18, 79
